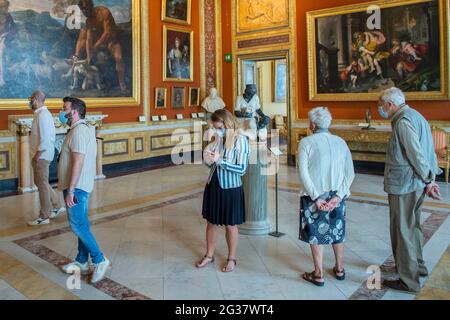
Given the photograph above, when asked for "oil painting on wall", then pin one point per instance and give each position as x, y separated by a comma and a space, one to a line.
350, 61
261, 14
178, 54
67, 47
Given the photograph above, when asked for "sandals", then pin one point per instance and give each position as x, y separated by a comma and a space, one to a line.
225, 268
312, 278
336, 271
208, 261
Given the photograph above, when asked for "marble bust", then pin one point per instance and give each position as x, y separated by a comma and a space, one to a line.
213, 102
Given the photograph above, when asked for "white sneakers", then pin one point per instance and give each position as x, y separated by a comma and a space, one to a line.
100, 271
73, 266
39, 222
98, 275
57, 212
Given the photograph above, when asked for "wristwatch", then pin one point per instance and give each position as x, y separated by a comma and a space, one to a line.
71, 191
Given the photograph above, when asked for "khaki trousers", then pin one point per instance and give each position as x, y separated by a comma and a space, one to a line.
49, 198
407, 236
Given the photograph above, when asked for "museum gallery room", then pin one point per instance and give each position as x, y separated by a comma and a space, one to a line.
224, 150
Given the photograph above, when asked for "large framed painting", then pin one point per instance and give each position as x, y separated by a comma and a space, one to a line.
357, 51
86, 48
279, 81
178, 54
256, 15
177, 11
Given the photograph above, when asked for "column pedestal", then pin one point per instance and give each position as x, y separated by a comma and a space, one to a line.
255, 191
100, 174
26, 184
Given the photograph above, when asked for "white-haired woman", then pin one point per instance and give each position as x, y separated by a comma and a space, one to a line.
326, 173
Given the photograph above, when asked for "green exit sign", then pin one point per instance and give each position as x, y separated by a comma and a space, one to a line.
228, 57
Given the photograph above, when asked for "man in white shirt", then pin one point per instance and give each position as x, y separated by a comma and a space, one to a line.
42, 143
76, 174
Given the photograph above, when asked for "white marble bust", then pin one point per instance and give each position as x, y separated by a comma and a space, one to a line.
213, 102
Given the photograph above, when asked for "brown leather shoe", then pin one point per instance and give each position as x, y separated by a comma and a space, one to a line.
398, 285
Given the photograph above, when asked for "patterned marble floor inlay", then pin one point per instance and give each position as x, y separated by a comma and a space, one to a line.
388, 271
108, 286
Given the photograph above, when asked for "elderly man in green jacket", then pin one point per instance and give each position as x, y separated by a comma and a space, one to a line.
411, 168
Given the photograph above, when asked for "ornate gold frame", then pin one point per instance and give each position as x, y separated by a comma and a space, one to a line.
444, 94
173, 20
239, 32
197, 103
172, 97
156, 98
191, 33
139, 14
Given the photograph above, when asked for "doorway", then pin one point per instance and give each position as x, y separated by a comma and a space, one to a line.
270, 74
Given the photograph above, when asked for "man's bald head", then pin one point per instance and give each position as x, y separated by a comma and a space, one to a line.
37, 99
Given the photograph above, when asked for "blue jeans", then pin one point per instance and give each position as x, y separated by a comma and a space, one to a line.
79, 223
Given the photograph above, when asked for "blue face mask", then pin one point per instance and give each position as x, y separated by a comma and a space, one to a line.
221, 132
382, 113
63, 117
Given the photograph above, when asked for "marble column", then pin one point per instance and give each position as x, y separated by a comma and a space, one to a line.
100, 174
26, 183
255, 190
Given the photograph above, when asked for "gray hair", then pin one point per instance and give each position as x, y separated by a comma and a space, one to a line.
321, 117
393, 95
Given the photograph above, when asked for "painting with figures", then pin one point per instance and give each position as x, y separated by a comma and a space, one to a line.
178, 54
351, 61
45, 45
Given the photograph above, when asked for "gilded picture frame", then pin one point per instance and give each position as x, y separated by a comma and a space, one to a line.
131, 95
256, 16
178, 59
183, 16
194, 97
347, 61
178, 98
160, 98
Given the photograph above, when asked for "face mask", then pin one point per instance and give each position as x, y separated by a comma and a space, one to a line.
64, 117
382, 113
221, 132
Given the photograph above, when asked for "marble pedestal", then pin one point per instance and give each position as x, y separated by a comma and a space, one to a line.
255, 190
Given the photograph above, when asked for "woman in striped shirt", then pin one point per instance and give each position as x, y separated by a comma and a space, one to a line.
223, 201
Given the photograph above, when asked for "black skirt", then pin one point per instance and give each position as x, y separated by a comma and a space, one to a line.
224, 207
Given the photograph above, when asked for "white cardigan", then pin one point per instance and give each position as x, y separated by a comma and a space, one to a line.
325, 164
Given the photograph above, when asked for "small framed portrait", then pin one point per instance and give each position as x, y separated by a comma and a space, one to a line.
178, 55
194, 97
163, 118
155, 118
178, 97
160, 98
194, 115
177, 11
179, 116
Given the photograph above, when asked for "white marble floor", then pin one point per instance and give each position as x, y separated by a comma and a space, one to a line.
150, 226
